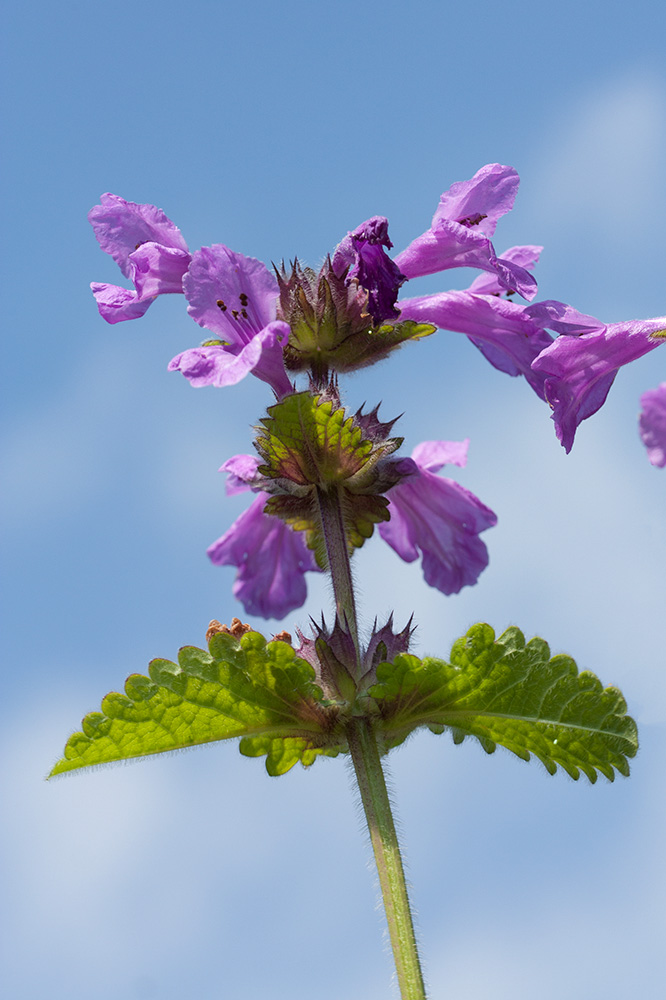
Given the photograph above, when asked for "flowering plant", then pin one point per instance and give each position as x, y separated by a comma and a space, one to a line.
323, 477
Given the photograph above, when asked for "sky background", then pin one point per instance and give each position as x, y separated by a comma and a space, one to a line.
275, 128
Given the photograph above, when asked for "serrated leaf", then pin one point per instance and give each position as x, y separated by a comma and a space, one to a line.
311, 442
282, 754
242, 687
513, 694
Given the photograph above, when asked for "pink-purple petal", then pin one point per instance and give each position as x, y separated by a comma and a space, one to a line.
434, 455
652, 424
240, 470
117, 304
579, 371
232, 295
122, 226
482, 200
439, 519
363, 255
500, 329
267, 346
272, 561
524, 256
448, 244
562, 318
157, 269
220, 366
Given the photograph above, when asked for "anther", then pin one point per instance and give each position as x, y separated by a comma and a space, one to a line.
220, 305
472, 220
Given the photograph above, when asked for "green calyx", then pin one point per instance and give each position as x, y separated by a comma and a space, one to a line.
308, 445
503, 692
331, 328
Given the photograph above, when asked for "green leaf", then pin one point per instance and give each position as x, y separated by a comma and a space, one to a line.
500, 691
512, 694
243, 687
282, 754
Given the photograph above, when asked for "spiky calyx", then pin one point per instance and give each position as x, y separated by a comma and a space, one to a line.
331, 325
309, 445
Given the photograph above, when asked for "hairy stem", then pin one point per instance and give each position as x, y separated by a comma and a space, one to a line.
374, 795
367, 765
333, 527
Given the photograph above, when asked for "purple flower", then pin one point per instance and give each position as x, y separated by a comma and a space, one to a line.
326, 321
235, 298
438, 519
652, 424
231, 295
147, 248
361, 253
271, 557
505, 332
430, 515
579, 370
459, 235
502, 330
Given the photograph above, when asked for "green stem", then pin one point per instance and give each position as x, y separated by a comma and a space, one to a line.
333, 527
367, 765
374, 795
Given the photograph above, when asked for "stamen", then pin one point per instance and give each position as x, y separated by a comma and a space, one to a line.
472, 220
243, 299
221, 305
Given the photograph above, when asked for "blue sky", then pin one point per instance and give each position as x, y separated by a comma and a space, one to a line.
275, 128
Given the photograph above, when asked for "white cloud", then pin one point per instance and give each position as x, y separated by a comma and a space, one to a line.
602, 159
